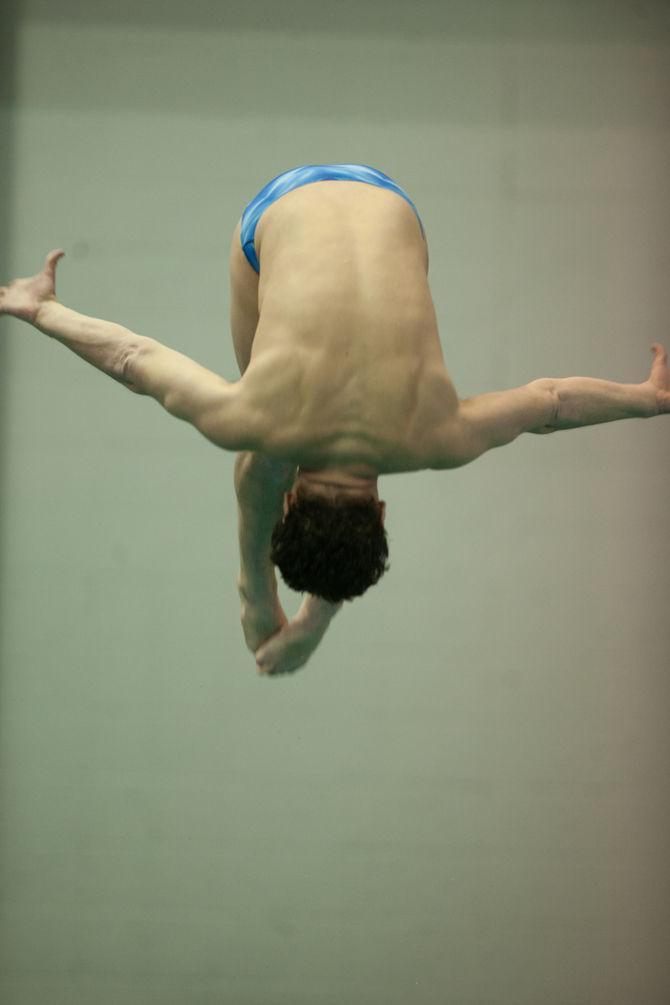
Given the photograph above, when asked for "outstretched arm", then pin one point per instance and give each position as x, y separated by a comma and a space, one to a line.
553, 403
143, 365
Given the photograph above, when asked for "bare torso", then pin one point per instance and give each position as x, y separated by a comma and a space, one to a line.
346, 366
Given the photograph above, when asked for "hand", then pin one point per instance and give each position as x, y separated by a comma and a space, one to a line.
293, 645
660, 378
24, 297
262, 615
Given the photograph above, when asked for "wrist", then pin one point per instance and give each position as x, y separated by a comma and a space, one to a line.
649, 400
40, 317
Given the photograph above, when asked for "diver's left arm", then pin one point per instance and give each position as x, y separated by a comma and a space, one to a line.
554, 403
143, 365
183, 387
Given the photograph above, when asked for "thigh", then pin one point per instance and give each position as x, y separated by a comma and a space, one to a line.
243, 301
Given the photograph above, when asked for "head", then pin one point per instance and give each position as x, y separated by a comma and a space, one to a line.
331, 540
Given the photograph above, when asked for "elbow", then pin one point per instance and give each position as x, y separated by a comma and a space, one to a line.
129, 372
550, 406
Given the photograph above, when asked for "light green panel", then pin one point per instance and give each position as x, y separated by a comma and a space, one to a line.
463, 798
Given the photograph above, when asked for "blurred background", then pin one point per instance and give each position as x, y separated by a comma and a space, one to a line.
463, 798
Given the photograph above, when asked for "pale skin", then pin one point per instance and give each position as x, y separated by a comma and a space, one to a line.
195, 394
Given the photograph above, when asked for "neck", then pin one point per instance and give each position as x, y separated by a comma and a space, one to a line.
358, 478
356, 482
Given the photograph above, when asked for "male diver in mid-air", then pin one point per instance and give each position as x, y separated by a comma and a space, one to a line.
342, 379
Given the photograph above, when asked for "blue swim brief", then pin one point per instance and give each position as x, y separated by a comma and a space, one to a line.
298, 176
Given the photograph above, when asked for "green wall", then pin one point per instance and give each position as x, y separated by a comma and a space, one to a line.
462, 799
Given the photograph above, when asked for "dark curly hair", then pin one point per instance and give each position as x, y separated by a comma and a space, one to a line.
334, 548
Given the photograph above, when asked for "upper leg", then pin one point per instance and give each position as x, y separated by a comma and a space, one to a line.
243, 301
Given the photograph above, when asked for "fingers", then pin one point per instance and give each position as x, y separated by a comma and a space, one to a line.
264, 658
658, 348
52, 259
271, 663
